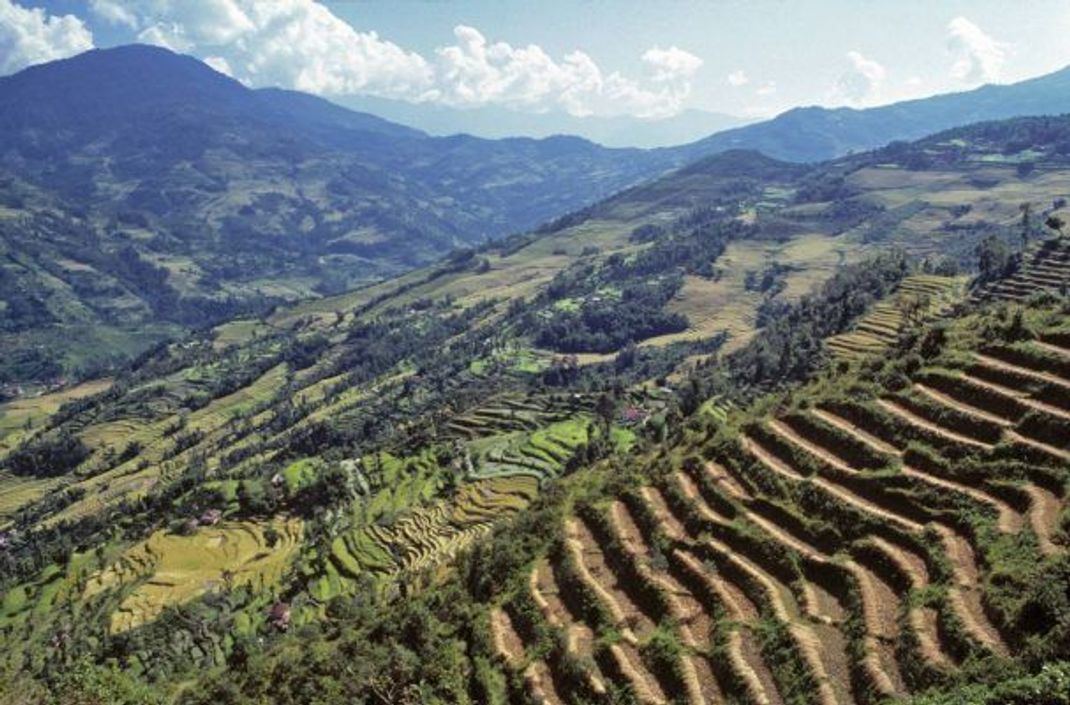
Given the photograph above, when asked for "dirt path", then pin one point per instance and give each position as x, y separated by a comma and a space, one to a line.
1009, 520
959, 405
1052, 348
630, 618
1044, 517
598, 565
1040, 376
824, 654
541, 684
629, 664
1021, 397
879, 607
1057, 453
844, 425
922, 619
748, 665
819, 451
672, 526
507, 643
744, 656
965, 595
724, 480
552, 612
833, 489
910, 417
608, 598
694, 623
691, 490
547, 595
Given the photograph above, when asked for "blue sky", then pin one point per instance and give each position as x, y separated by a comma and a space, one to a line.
645, 58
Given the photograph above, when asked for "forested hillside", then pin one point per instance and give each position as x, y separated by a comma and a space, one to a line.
142, 195
625, 458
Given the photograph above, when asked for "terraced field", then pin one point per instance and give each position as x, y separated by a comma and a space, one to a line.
1045, 267
427, 536
918, 297
844, 547
19, 415
171, 569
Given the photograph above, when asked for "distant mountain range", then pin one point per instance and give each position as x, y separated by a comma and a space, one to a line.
815, 134
495, 123
142, 192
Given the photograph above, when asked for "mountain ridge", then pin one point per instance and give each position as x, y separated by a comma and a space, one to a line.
832, 132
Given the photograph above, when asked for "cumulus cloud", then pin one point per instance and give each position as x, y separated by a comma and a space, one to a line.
767, 88
738, 78
672, 64
862, 81
301, 44
292, 43
113, 12
32, 36
219, 64
477, 72
978, 57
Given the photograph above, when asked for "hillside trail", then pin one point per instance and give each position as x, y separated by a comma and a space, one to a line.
824, 654
1044, 517
580, 638
693, 623
1008, 520
507, 642
631, 620
1003, 365
1020, 396
965, 594
744, 654
879, 602
896, 409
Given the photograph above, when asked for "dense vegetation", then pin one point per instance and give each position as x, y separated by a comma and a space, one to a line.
424, 490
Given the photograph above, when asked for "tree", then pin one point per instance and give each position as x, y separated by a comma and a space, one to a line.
1056, 223
1027, 223
993, 258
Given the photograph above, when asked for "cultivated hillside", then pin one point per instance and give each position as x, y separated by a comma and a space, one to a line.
143, 194
353, 498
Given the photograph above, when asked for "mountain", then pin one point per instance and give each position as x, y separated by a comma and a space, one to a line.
495, 123
732, 435
814, 134
144, 193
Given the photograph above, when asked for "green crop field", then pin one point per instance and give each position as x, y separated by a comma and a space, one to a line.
168, 569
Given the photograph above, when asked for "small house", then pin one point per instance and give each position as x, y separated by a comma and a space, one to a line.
279, 616
211, 517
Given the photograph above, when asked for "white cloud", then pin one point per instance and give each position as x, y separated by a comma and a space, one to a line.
31, 36
862, 82
476, 72
170, 36
978, 57
219, 64
672, 64
113, 12
292, 43
738, 78
301, 44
